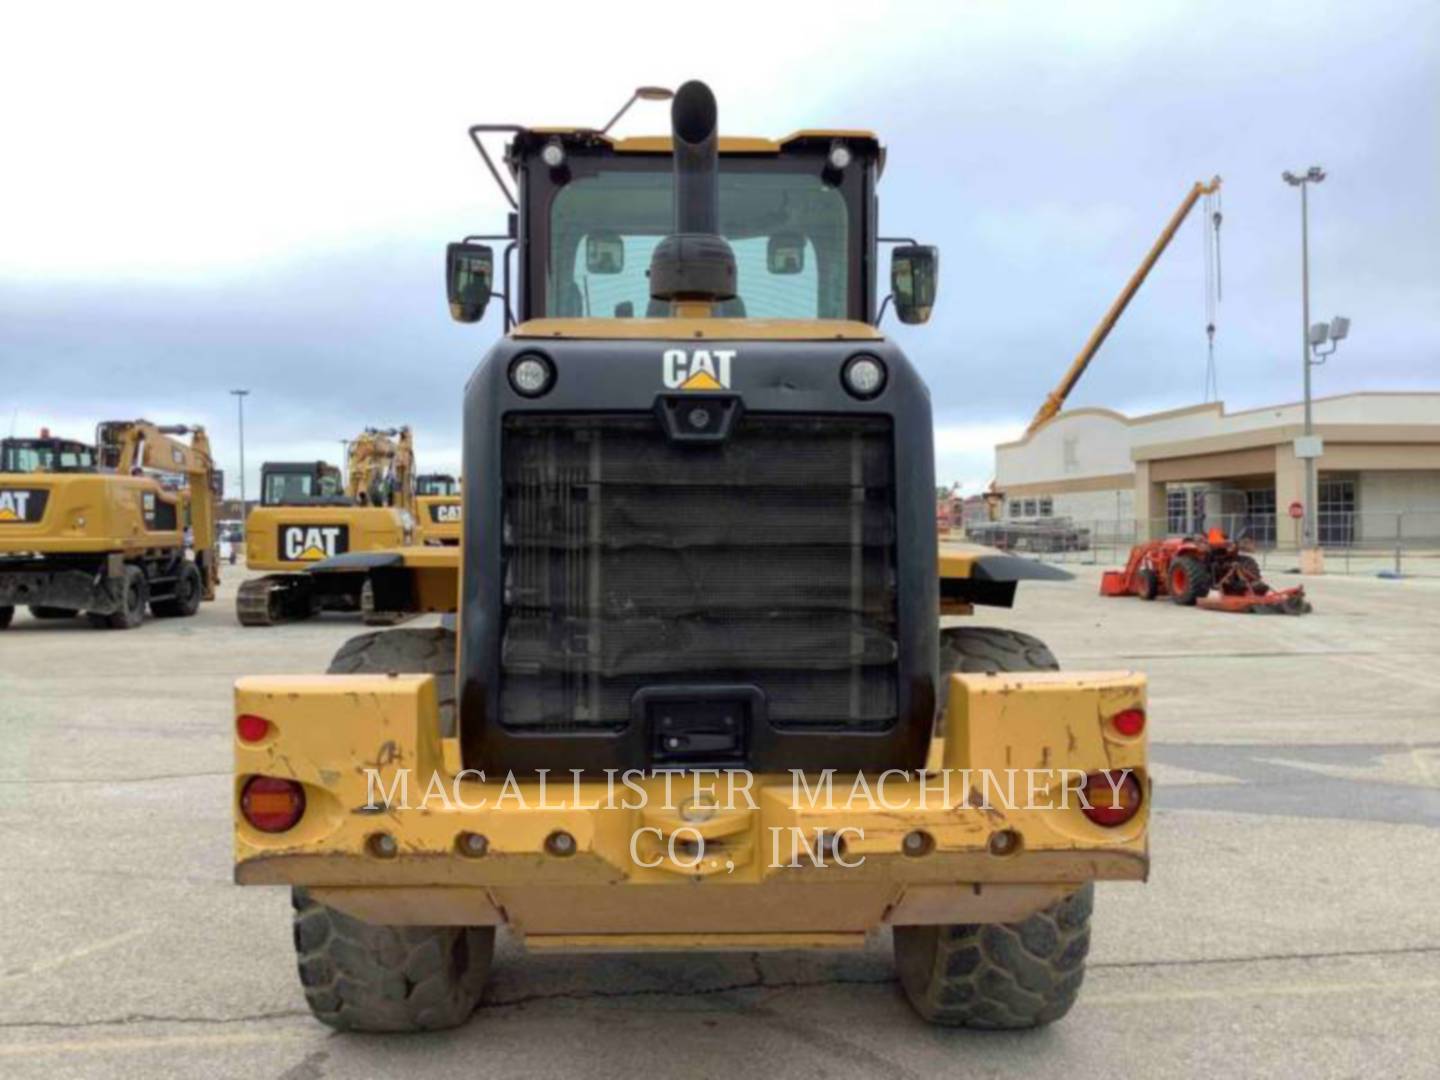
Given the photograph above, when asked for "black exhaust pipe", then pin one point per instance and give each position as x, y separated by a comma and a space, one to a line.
697, 159
694, 265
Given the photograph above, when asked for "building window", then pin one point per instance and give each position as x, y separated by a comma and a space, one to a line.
1029, 508
1260, 516
1337, 512
1047, 506
1015, 508
1175, 512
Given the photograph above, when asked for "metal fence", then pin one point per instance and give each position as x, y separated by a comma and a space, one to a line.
1405, 543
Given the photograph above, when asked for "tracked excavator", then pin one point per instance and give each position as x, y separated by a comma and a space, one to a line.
308, 513
109, 529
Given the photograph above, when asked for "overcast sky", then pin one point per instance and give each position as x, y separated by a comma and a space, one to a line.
195, 198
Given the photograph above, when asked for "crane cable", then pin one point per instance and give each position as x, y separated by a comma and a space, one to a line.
1212, 292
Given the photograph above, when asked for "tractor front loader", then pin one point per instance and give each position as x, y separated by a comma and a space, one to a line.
698, 694
1211, 571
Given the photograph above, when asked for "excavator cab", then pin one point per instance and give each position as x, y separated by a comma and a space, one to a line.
301, 483
46, 455
438, 484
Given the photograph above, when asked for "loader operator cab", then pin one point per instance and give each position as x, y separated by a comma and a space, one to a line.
46, 455
799, 215
301, 483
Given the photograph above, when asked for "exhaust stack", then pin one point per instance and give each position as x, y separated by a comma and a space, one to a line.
693, 267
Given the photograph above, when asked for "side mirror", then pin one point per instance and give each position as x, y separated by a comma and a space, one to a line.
604, 253
914, 277
785, 253
469, 272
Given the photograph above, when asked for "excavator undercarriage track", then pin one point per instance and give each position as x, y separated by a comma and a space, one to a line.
274, 599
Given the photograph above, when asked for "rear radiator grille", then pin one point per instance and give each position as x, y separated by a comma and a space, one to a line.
632, 561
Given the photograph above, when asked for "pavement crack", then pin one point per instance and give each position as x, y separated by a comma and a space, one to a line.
152, 1018
1338, 954
114, 780
761, 982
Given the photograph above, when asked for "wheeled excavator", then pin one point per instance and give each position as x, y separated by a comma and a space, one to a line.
109, 529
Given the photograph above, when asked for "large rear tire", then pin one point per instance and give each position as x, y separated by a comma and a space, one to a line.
1001, 975
362, 977
987, 648
427, 651
1189, 580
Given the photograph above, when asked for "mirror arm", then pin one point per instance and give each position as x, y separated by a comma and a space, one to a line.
505, 296
897, 240
883, 305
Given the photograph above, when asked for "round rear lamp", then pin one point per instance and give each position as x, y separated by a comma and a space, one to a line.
272, 805
251, 728
1129, 721
1109, 801
553, 154
839, 156
863, 376
531, 375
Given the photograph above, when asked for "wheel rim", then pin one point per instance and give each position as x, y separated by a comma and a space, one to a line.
1178, 579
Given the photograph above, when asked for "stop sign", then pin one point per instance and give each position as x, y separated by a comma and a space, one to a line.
1296, 510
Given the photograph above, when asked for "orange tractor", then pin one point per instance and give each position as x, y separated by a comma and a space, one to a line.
1188, 568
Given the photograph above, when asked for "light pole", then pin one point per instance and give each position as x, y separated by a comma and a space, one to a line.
1314, 175
240, 396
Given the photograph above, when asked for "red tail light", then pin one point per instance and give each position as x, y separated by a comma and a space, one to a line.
272, 805
251, 728
1129, 721
1111, 798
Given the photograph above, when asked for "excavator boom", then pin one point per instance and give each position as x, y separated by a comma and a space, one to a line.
1055, 400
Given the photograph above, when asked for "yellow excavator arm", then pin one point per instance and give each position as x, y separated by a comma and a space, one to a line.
381, 469
139, 445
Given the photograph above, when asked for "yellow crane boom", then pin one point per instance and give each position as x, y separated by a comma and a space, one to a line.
1055, 400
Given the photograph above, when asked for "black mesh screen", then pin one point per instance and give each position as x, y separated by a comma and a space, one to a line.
633, 561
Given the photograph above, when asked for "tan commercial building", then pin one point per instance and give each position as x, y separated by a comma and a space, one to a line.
1187, 469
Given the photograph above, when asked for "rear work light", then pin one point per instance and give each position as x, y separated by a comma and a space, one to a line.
1129, 721
251, 728
1111, 798
272, 805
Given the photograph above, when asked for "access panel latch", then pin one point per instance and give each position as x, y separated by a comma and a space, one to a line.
698, 725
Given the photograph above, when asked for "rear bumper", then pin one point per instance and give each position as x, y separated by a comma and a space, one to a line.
992, 831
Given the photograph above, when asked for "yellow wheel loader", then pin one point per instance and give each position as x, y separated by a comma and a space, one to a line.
107, 530
699, 695
309, 514
438, 507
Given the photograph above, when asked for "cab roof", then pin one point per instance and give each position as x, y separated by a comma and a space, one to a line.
866, 142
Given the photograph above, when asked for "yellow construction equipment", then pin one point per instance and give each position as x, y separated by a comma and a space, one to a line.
108, 529
1055, 400
307, 517
438, 507
698, 694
